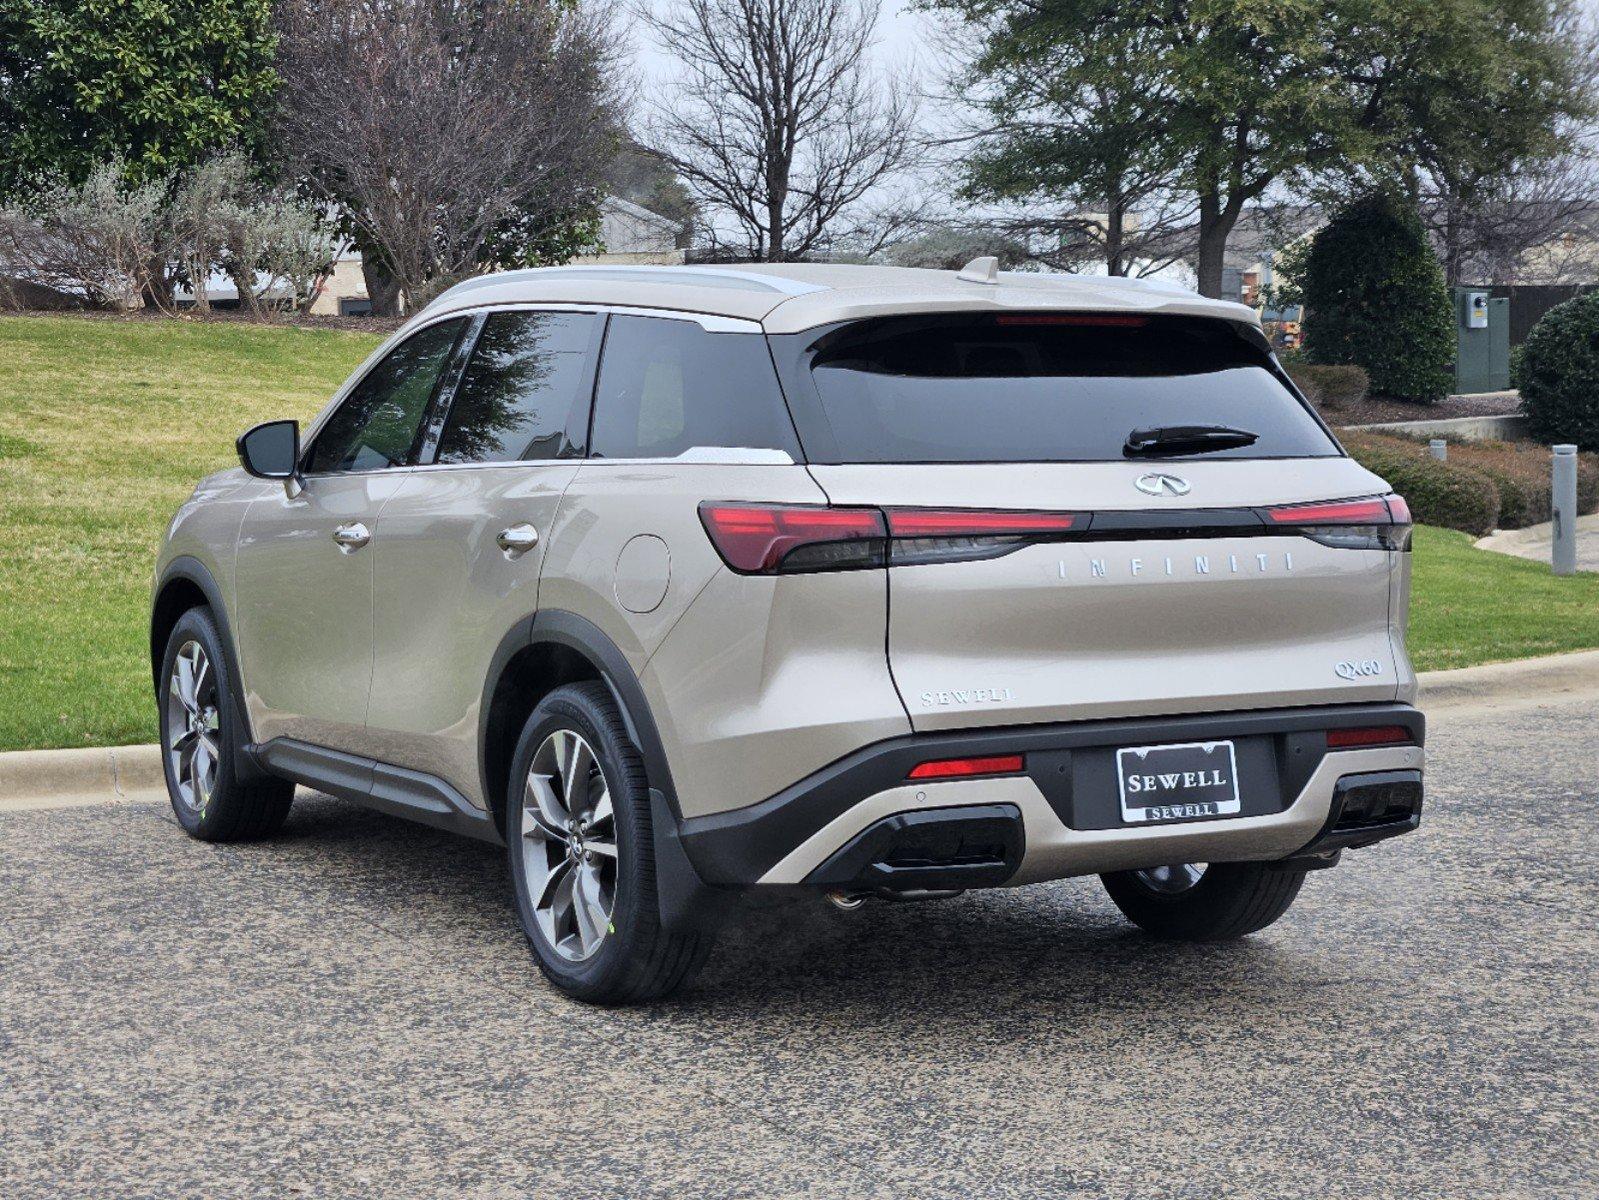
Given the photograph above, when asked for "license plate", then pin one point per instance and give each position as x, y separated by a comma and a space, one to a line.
1187, 782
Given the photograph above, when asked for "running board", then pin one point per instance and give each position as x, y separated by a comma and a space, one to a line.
387, 789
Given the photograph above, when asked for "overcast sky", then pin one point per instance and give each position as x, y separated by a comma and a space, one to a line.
899, 33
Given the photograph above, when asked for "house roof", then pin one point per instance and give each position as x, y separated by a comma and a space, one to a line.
792, 297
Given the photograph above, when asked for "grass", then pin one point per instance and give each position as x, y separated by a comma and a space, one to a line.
105, 425
1472, 606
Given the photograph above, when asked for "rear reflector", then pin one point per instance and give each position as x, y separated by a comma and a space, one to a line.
769, 538
1375, 735
967, 768
949, 523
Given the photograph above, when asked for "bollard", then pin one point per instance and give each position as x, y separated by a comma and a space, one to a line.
1563, 485
1439, 448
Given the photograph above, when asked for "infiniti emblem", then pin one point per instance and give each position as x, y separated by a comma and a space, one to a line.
1156, 482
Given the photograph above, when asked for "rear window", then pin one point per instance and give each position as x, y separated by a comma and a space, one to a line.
1044, 388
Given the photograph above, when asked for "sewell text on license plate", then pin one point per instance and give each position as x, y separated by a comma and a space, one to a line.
1184, 782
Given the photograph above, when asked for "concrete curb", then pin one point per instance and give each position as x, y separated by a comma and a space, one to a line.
42, 778
1507, 682
59, 778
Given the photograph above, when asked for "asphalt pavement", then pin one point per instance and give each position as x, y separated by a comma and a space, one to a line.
349, 1010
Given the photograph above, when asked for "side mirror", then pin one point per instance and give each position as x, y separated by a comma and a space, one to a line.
272, 450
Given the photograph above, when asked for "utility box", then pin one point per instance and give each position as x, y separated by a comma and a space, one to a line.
1482, 341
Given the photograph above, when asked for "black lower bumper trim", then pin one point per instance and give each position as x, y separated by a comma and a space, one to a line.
936, 849
1367, 809
737, 848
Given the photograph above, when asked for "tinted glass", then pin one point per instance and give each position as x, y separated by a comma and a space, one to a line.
667, 386
1022, 389
377, 423
517, 392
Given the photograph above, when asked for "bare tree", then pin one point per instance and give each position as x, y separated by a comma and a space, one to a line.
777, 124
450, 134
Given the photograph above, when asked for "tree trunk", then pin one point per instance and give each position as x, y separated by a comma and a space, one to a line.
1115, 221
1216, 223
381, 287
157, 290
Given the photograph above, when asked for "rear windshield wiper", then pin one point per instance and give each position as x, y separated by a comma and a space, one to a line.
1186, 439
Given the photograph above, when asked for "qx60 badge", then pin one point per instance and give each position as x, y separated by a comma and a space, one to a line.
1158, 483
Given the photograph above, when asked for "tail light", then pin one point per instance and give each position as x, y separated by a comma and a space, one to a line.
1377, 523
775, 539
968, 768
928, 535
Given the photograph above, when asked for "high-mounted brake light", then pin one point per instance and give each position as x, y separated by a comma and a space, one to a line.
968, 768
954, 522
1101, 320
1373, 735
765, 539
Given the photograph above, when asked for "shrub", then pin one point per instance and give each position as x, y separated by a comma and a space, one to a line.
96, 238
1450, 494
1521, 471
1331, 386
1559, 374
1375, 296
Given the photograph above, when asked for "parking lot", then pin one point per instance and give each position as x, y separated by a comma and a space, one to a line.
350, 1010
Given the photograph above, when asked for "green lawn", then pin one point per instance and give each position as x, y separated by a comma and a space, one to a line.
1472, 606
107, 424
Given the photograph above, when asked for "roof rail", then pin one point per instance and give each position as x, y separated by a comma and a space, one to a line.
679, 276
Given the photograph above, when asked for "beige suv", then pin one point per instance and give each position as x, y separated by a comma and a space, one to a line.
685, 582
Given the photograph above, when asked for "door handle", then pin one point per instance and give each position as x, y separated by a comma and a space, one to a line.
518, 539
352, 537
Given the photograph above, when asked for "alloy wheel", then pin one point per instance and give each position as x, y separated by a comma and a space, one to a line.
1169, 881
569, 846
193, 727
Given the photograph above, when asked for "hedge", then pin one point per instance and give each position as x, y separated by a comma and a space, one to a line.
1482, 486
1439, 493
1325, 386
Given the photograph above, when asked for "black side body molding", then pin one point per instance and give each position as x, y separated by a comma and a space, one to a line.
394, 790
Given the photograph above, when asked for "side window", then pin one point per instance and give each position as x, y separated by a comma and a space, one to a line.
667, 385
377, 424
517, 393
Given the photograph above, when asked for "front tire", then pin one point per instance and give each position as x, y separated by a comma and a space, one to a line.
1200, 902
201, 736
579, 834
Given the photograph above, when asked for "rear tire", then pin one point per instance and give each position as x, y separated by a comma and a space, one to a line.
201, 739
1226, 901
582, 855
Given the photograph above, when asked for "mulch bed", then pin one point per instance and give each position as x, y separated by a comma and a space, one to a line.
1376, 411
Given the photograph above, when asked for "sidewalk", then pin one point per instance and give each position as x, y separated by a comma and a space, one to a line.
1534, 542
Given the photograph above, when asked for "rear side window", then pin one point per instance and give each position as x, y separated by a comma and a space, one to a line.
1044, 388
667, 386
516, 395
377, 424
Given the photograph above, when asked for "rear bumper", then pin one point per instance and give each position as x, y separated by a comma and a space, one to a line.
845, 825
